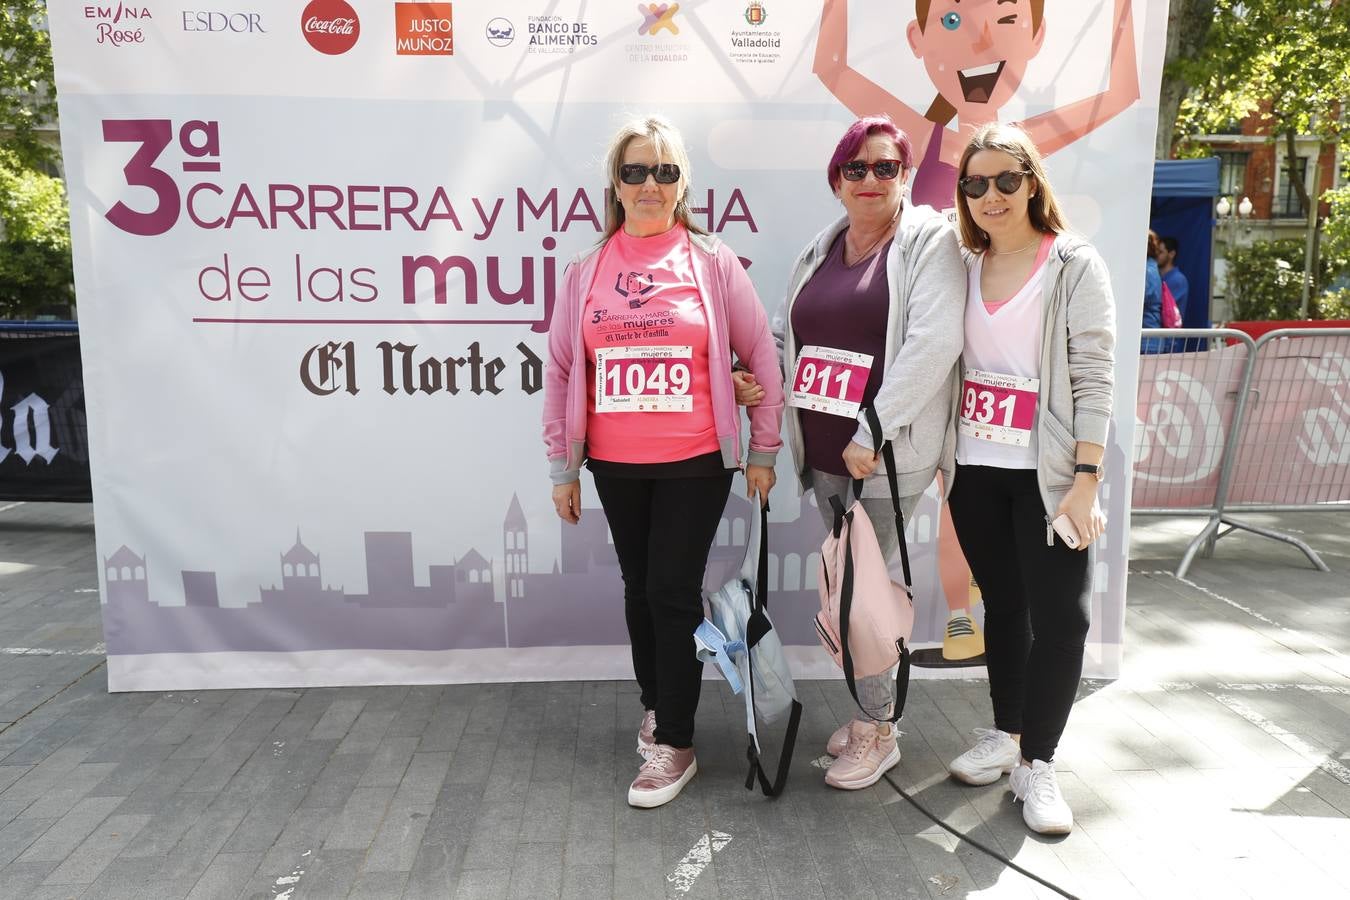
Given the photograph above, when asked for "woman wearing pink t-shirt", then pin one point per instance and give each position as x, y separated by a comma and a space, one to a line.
1032, 422
639, 388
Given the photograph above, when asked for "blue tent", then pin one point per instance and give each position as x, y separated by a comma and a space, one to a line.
1184, 191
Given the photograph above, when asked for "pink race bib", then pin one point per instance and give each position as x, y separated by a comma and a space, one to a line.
830, 381
998, 408
644, 379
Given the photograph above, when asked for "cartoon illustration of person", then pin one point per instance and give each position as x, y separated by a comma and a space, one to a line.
976, 54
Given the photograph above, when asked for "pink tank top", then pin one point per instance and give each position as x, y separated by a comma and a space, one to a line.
646, 337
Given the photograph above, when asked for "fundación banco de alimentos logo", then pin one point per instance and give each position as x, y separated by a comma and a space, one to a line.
330, 26
500, 32
424, 29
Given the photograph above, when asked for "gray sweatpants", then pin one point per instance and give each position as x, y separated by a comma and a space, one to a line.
876, 693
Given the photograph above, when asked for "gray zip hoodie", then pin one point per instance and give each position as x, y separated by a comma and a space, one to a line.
1078, 329
924, 335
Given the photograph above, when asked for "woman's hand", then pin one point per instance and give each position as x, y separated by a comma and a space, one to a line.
859, 461
567, 501
748, 391
1081, 507
760, 479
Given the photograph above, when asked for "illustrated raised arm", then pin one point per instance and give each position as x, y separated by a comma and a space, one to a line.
1058, 128
862, 95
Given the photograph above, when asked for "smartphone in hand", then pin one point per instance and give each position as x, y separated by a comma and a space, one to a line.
1063, 526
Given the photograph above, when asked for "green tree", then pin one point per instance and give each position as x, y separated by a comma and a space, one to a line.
1188, 23
1285, 61
27, 88
35, 265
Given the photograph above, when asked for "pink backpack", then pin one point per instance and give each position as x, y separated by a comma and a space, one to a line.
1171, 313
865, 619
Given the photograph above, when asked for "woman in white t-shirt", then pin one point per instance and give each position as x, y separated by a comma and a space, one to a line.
1032, 422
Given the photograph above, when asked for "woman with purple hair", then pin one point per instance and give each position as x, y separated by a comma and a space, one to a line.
873, 316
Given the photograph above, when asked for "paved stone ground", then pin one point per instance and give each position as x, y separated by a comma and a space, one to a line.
1217, 767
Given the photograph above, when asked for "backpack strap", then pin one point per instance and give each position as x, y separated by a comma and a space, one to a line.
756, 627
846, 583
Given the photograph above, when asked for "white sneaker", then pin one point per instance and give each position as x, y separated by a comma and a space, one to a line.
994, 755
1043, 806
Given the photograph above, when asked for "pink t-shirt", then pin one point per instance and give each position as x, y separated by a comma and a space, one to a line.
646, 338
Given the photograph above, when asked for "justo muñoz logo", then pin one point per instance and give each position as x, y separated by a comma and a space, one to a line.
330, 26
119, 24
424, 29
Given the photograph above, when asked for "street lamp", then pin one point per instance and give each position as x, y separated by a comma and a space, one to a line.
1224, 209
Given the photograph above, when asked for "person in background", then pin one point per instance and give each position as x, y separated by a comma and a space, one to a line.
1176, 282
1167, 248
638, 387
1153, 317
1032, 422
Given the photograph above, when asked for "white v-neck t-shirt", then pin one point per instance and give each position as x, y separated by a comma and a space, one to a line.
1002, 357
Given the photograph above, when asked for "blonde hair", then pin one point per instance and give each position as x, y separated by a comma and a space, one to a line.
1041, 207
669, 146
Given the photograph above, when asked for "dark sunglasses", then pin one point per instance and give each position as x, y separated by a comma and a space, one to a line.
636, 173
976, 186
856, 169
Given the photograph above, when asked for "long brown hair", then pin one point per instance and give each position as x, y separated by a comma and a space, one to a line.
1042, 207
942, 111
669, 145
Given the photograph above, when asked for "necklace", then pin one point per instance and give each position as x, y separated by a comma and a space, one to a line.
885, 232
1033, 243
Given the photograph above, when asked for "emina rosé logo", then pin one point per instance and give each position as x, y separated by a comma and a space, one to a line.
330, 26
120, 24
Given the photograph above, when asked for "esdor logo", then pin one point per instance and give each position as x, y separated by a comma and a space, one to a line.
330, 26
424, 29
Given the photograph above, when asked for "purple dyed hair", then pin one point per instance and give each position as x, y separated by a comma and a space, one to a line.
857, 135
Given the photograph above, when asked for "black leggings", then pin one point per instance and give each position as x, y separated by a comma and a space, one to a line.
1036, 602
663, 529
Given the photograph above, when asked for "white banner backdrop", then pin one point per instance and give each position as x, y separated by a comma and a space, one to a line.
316, 248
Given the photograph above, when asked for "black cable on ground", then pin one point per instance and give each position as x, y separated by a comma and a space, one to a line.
989, 851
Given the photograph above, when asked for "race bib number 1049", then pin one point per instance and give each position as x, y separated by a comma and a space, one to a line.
644, 379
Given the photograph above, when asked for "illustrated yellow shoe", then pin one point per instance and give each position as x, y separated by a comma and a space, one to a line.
963, 639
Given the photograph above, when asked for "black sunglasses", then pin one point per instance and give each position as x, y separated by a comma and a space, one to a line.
856, 169
636, 173
976, 186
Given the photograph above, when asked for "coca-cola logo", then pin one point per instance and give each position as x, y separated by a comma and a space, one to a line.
330, 26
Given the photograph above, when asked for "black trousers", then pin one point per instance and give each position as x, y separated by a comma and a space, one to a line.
1036, 602
663, 529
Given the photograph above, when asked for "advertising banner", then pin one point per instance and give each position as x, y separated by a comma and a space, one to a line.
44, 454
317, 248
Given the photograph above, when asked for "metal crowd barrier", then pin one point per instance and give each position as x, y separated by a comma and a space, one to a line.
37, 329
1243, 426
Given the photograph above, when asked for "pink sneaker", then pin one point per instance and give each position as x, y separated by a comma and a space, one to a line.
647, 734
838, 741
871, 751
662, 777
